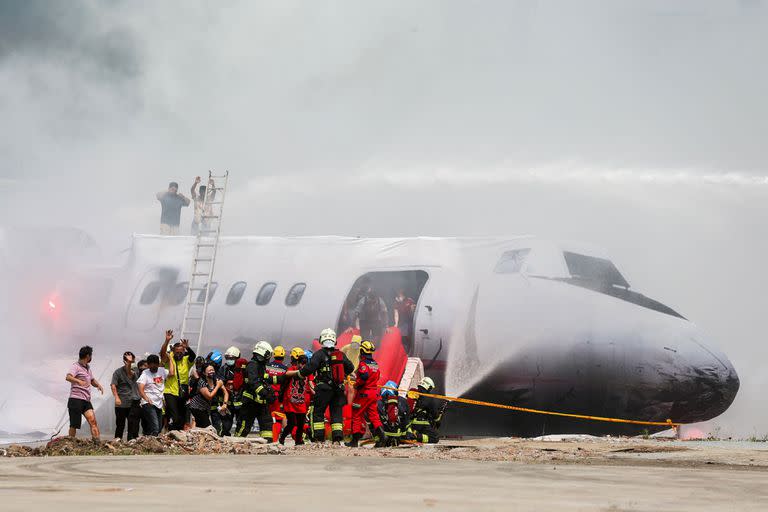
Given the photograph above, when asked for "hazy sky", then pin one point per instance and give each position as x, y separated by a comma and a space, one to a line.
639, 126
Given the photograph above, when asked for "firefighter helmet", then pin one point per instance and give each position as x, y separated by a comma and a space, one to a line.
232, 352
263, 349
427, 384
389, 388
356, 339
279, 352
296, 352
327, 338
367, 347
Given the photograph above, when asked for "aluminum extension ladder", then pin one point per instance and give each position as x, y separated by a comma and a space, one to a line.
204, 260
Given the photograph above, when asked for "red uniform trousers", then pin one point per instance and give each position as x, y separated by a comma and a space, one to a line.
365, 405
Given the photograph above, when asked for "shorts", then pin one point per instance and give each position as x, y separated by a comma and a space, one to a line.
77, 407
168, 230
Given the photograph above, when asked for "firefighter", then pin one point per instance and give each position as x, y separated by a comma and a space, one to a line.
427, 414
238, 387
258, 393
296, 394
226, 374
366, 401
393, 411
277, 368
331, 368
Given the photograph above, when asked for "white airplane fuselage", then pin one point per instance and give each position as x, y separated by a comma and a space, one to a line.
519, 320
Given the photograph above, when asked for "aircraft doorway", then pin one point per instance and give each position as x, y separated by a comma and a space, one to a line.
379, 300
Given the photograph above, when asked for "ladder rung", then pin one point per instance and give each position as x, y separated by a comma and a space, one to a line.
210, 216
200, 274
203, 259
198, 288
195, 303
206, 245
215, 202
194, 318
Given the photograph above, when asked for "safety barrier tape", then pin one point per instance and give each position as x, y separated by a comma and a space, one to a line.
415, 394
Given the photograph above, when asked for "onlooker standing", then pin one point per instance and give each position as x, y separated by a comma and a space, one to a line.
201, 403
177, 385
150, 386
126, 394
79, 403
171, 203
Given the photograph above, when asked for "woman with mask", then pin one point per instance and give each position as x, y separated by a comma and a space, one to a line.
207, 388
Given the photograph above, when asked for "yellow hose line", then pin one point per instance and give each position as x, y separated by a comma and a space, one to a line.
416, 394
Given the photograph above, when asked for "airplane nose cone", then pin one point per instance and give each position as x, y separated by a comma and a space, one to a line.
708, 392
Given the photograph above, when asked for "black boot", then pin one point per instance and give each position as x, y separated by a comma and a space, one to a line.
381, 438
355, 442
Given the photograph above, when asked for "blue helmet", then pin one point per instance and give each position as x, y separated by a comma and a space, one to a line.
215, 357
308, 353
387, 392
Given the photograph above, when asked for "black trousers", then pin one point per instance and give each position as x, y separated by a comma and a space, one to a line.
250, 412
222, 422
133, 415
175, 411
425, 434
202, 417
295, 420
328, 396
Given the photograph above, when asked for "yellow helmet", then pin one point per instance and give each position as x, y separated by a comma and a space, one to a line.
367, 347
297, 352
356, 339
279, 352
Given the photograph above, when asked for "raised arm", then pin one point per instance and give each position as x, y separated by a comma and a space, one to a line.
164, 348
160, 195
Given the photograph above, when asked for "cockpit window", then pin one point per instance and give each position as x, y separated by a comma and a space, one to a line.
595, 270
295, 294
265, 294
150, 293
512, 262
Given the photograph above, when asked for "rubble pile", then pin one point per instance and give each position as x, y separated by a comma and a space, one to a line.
195, 441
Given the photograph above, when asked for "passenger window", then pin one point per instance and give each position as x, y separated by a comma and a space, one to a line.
150, 293
211, 292
236, 293
512, 262
265, 294
295, 294
178, 294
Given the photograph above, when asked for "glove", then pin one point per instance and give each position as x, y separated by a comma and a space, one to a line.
356, 405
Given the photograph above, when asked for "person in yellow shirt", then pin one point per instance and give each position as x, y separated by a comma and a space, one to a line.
176, 392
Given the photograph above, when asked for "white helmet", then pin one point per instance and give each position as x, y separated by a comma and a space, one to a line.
263, 349
427, 383
232, 352
328, 338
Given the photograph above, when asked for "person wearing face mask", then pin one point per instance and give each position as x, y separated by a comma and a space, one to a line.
181, 360
227, 375
126, 398
151, 385
79, 403
207, 389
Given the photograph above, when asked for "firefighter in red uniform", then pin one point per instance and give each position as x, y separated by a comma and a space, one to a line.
366, 402
294, 398
277, 368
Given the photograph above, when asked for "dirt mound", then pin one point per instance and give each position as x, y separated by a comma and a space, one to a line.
195, 441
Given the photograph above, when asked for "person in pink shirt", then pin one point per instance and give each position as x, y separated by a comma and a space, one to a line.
79, 403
